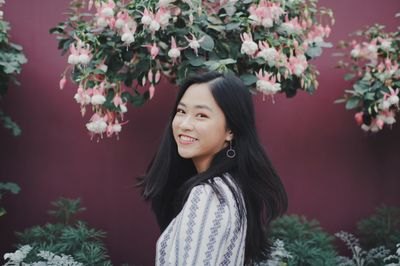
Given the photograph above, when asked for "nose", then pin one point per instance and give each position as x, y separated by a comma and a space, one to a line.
186, 123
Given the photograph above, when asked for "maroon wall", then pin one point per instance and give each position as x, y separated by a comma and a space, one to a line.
332, 171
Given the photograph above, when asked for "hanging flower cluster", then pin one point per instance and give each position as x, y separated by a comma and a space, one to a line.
373, 64
120, 50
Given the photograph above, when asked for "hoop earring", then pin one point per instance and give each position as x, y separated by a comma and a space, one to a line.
231, 153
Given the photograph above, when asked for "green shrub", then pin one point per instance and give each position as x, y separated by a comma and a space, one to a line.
305, 240
67, 237
381, 229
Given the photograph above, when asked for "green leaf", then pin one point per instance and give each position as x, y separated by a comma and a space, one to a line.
340, 101
207, 43
349, 76
314, 52
352, 102
227, 61
198, 61
12, 187
248, 79
359, 87
232, 26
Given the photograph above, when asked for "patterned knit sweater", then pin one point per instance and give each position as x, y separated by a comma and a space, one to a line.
205, 232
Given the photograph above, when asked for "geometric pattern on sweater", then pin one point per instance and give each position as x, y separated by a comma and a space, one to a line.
205, 232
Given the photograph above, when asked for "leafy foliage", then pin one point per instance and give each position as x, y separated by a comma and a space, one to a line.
361, 257
372, 59
76, 239
381, 229
11, 60
124, 48
305, 240
10, 187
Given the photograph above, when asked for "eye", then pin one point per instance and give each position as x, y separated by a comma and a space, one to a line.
201, 115
179, 111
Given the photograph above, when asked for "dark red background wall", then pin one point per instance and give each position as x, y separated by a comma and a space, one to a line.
333, 172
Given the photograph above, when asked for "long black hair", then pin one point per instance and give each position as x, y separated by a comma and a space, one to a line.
170, 178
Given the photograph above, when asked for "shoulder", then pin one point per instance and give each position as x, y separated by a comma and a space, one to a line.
218, 193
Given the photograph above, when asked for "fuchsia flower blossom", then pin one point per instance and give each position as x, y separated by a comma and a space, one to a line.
291, 26
153, 49
105, 14
98, 96
175, 51
375, 126
297, 64
392, 97
317, 34
359, 118
80, 54
385, 44
82, 96
153, 79
127, 36
147, 17
265, 13
267, 84
269, 54
162, 17
97, 124
194, 43
249, 47
62, 82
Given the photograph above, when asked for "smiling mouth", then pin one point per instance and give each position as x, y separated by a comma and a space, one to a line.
186, 139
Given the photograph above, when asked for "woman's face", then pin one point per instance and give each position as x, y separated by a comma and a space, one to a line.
199, 126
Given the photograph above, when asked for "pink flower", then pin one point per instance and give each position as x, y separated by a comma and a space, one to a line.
265, 13
385, 44
153, 49
123, 19
162, 17
392, 97
356, 51
107, 9
271, 55
175, 51
82, 97
359, 118
117, 101
62, 82
153, 79
387, 117
249, 47
194, 43
375, 126
147, 17
291, 26
151, 91
297, 64
80, 54
97, 124
127, 36
98, 95
267, 84
318, 33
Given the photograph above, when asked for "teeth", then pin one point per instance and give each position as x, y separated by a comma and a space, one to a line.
184, 138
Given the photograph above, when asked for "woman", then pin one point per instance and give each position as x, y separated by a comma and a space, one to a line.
211, 184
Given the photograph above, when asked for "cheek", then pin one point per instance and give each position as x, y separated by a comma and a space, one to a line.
174, 125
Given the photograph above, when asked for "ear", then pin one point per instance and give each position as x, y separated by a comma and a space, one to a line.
229, 136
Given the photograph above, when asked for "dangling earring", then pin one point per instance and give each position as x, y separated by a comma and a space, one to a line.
231, 153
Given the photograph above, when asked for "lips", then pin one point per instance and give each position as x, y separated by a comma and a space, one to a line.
185, 139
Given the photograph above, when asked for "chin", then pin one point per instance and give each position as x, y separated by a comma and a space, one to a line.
184, 154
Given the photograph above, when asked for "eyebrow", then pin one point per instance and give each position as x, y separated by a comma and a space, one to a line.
198, 106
